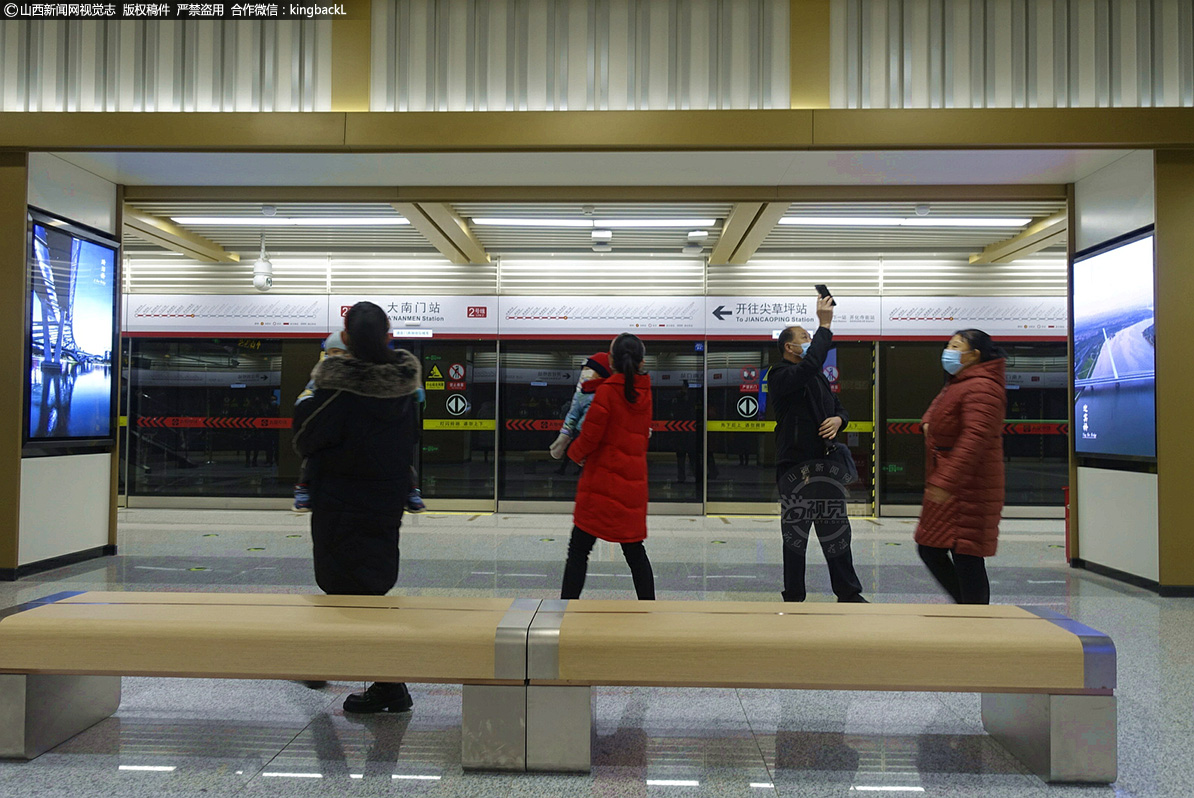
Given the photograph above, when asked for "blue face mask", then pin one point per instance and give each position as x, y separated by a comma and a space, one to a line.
951, 360
804, 348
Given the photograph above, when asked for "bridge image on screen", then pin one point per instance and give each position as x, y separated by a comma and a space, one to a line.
1115, 352
71, 333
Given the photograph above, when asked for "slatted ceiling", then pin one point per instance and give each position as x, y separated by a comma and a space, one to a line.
1029, 277
382, 275
968, 240
247, 239
763, 276
205, 65
888, 276
1011, 53
180, 275
546, 55
348, 274
605, 275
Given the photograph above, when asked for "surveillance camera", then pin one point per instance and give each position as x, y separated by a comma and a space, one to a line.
263, 274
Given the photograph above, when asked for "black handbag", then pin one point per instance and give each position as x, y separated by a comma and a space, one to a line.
838, 463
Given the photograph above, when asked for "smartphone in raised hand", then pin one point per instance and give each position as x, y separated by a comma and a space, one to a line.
823, 291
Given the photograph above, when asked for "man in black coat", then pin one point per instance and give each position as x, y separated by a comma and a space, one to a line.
801, 396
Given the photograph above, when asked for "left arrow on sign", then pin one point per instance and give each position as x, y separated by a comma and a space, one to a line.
720, 312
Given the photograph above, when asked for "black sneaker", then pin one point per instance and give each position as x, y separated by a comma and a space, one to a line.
853, 600
315, 684
380, 697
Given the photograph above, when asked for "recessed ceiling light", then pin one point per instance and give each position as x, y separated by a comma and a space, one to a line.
496, 221
899, 221
289, 221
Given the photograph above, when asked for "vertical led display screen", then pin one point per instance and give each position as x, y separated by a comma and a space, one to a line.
72, 334
1115, 352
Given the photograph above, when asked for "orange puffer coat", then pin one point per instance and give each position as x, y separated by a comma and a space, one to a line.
611, 498
964, 449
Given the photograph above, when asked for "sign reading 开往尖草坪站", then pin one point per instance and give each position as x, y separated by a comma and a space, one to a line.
752, 316
600, 315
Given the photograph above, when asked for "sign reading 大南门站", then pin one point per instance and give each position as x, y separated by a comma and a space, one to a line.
446, 315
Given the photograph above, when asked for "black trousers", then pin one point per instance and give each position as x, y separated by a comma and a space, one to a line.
580, 545
822, 506
964, 576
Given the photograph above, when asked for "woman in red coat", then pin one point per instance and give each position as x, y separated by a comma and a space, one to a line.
611, 498
963, 429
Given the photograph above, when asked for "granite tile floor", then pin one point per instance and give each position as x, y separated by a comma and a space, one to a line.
202, 737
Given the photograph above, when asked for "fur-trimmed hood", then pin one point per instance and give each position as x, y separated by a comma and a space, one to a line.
377, 380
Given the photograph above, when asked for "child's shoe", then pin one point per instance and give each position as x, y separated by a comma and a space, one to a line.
302, 499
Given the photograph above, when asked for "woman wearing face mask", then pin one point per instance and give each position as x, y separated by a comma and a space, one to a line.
963, 429
611, 498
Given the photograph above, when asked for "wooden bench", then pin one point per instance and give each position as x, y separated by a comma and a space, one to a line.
61, 658
528, 666
1047, 682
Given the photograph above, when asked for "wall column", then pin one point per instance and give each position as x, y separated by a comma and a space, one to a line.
1174, 175
352, 64
14, 178
809, 53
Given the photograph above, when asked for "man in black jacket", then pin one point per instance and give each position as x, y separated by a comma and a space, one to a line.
801, 395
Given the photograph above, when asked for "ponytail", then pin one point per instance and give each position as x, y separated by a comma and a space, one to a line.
368, 330
627, 355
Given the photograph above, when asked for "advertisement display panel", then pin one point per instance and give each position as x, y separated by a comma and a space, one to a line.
71, 334
1115, 352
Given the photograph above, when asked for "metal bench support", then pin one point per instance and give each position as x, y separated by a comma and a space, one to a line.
1061, 738
493, 727
559, 728
41, 711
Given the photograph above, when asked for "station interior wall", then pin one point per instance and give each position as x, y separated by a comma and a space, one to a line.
1117, 511
50, 525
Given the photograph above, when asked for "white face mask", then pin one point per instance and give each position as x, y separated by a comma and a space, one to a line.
951, 360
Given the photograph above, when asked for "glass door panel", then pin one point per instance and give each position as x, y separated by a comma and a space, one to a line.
537, 381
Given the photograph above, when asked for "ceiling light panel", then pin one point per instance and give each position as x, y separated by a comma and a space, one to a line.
498, 221
570, 229
290, 221
895, 221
